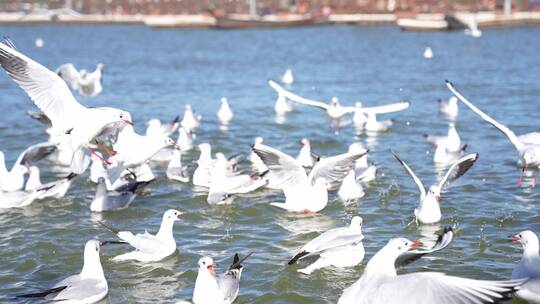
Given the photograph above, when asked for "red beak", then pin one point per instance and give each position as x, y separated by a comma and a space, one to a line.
211, 269
438, 198
128, 122
513, 238
416, 244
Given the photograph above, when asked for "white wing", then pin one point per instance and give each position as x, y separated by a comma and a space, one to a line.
297, 98
414, 177
511, 135
143, 242
46, 89
440, 288
389, 108
335, 168
69, 74
282, 165
460, 167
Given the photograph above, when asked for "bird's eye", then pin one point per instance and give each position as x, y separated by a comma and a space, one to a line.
204, 263
97, 249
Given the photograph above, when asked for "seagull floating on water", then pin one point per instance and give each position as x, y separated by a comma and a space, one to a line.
157, 129
339, 247
89, 286
282, 106
380, 282
218, 289
175, 170
529, 266
77, 125
190, 120
429, 211
225, 114
528, 150
106, 201
149, 247
55, 189
428, 53
448, 148
449, 108
287, 77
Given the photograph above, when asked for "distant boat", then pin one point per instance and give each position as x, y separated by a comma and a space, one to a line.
236, 21
431, 22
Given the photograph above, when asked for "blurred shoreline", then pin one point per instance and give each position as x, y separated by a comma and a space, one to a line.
419, 22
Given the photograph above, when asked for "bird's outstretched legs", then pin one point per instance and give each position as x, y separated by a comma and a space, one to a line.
99, 156
111, 152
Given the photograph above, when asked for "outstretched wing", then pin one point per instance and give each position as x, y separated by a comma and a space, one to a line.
46, 89
511, 135
414, 177
297, 98
283, 166
36, 153
410, 256
460, 167
389, 108
334, 169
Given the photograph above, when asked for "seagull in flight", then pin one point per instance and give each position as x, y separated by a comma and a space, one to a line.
87, 84
306, 193
429, 211
77, 124
529, 151
334, 109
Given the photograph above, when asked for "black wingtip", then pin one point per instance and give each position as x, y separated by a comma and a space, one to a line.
115, 231
297, 257
43, 293
71, 176
237, 262
176, 119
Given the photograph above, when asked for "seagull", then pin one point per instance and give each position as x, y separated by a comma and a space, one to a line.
362, 169
225, 114
449, 108
305, 193
13, 180
334, 109
257, 165
132, 150
282, 106
105, 201
185, 139
77, 124
351, 188
157, 129
224, 184
190, 121
89, 286
529, 153
20, 199
380, 282
448, 148
373, 125
366, 117
288, 77
149, 247
56, 189
217, 289
202, 175
529, 266
175, 170
339, 247
305, 158
472, 29
428, 53
428, 211
87, 84
39, 42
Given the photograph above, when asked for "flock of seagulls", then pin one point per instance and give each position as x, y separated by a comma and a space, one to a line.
103, 141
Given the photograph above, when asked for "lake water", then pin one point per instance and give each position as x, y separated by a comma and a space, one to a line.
154, 73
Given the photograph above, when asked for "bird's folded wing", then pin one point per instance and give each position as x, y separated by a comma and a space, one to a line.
297, 98
81, 290
145, 243
341, 241
46, 89
334, 169
229, 283
433, 287
460, 167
